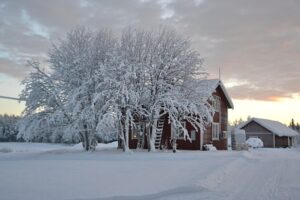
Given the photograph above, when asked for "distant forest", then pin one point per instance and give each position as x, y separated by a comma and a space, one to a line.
8, 128
294, 126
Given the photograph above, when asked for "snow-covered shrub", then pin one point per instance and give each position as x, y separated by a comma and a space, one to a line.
209, 147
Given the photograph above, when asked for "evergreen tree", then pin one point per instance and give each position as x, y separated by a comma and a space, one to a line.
292, 124
297, 127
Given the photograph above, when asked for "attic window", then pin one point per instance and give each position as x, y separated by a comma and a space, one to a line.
217, 103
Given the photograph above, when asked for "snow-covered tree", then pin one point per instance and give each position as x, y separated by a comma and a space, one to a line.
164, 64
42, 102
64, 97
97, 82
292, 124
72, 64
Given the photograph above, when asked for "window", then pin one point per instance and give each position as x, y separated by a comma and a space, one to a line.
193, 135
223, 135
181, 132
215, 131
137, 130
217, 103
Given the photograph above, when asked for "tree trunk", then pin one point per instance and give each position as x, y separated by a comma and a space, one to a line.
89, 142
174, 145
148, 139
174, 137
120, 146
121, 135
126, 136
139, 142
86, 138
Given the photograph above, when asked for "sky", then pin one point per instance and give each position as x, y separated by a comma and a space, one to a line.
255, 44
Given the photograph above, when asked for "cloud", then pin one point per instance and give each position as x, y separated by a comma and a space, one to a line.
258, 43
253, 42
35, 27
10, 68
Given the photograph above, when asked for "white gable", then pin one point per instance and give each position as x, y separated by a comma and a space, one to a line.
211, 85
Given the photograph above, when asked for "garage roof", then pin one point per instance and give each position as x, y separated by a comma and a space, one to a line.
274, 126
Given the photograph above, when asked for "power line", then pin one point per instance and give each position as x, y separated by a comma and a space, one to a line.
11, 98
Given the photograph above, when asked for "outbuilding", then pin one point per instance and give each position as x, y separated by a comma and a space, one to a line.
273, 133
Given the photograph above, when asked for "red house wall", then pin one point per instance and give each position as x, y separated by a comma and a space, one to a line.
181, 143
222, 117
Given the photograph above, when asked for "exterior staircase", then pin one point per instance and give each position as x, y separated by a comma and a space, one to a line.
159, 131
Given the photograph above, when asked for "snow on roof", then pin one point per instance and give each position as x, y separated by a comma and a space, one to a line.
274, 126
209, 84
212, 84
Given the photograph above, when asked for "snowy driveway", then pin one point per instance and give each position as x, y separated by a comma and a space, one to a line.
58, 172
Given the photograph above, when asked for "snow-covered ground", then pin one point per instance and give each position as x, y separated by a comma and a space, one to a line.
47, 171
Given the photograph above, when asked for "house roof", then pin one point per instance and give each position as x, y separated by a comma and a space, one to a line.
273, 126
212, 84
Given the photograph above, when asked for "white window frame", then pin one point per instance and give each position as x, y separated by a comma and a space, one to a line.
215, 130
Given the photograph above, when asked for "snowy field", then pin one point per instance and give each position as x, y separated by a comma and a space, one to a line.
49, 171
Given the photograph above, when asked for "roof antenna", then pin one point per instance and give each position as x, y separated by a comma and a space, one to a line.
219, 73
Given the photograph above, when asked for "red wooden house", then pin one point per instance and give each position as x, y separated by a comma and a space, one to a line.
215, 134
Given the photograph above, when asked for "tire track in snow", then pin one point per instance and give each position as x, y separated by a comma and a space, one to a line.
258, 179
186, 193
